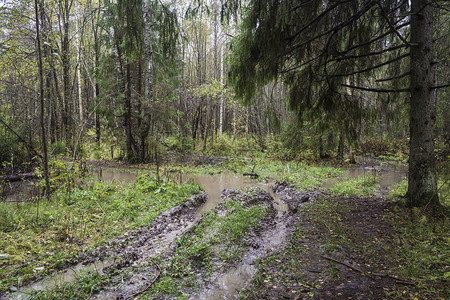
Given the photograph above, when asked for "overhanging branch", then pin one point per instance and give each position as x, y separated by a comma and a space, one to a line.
376, 90
393, 77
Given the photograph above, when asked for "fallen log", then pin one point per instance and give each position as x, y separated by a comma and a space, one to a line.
18, 177
251, 174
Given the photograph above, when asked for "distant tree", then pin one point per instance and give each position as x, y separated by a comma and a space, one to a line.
327, 51
131, 67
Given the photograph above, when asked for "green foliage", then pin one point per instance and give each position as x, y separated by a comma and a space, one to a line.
214, 90
63, 174
11, 150
387, 149
227, 145
180, 143
58, 148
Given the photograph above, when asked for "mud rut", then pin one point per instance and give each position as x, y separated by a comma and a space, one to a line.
134, 269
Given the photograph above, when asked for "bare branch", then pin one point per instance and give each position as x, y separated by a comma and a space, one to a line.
394, 77
373, 67
392, 26
440, 86
377, 90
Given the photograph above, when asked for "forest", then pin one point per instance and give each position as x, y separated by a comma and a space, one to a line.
224, 149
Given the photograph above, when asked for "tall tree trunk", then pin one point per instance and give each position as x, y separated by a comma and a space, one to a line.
78, 45
221, 95
41, 97
96, 85
127, 114
422, 187
148, 85
65, 60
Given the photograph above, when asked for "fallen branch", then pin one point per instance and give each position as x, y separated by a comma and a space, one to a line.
18, 177
151, 283
251, 174
344, 263
21, 139
397, 280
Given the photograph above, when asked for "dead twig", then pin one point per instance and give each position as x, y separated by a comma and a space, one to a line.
351, 266
344, 263
151, 283
397, 280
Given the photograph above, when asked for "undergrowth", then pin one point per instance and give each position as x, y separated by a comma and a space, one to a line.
39, 237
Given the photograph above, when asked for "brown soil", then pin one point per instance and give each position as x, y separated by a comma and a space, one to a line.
344, 250
354, 263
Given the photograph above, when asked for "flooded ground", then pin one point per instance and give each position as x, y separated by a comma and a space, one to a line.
119, 175
69, 275
225, 285
215, 184
388, 173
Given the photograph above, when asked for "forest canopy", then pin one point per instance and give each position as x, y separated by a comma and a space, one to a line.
128, 79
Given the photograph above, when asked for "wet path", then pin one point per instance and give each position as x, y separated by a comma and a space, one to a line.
228, 284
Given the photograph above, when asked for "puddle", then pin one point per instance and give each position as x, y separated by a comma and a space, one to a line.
20, 191
388, 173
71, 274
229, 284
215, 184
121, 175
26, 190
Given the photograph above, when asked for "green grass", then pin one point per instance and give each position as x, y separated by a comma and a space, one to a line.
399, 190
86, 287
302, 176
362, 186
422, 252
71, 222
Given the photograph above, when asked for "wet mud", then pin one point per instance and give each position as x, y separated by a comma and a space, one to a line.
133, 260
136, 252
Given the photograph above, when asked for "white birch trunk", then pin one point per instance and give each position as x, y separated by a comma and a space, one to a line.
148, 69
78, 41
221, 95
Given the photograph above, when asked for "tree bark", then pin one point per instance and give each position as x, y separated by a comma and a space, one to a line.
41, 98
65, 59
78, 46
148, 85
422, 186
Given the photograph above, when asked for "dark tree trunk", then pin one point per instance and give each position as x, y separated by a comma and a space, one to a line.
41, 100
97, 87
341, 146
65, 59
127, 115
422, 187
